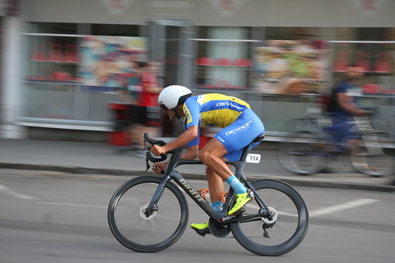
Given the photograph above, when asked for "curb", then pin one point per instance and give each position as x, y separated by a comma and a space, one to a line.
294, 182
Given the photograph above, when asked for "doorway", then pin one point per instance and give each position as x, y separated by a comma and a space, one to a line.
170, 45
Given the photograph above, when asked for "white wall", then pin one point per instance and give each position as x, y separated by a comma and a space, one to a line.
81, 11
295, 13
11, 104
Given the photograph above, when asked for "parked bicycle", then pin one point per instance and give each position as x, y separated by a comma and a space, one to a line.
312, 144
150, 213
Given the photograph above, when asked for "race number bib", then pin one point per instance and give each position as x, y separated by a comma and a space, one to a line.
253, 158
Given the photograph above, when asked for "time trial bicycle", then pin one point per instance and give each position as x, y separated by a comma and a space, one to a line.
150, 213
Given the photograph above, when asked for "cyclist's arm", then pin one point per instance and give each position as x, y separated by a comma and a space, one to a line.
153, 88
190, 154
187, 136
151, 83
347, 103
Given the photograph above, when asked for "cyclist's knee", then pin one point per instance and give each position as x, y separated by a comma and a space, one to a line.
204, 156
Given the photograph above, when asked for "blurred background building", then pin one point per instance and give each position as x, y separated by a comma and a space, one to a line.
279, 55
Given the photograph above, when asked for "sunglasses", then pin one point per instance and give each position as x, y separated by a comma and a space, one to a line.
163, 108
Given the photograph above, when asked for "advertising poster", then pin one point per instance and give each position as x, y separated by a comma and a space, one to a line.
291, 67
108, 61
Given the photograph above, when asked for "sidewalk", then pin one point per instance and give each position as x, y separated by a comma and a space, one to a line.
101, 158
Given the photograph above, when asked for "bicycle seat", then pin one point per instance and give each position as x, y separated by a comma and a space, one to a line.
259, 138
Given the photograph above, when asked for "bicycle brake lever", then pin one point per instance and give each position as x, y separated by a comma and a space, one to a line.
154, 158
153, 141
147, 164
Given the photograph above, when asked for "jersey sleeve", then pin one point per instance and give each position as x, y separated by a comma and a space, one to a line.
194, 141
191, 111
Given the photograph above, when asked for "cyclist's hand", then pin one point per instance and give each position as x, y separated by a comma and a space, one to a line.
366, 111
362, 112
158, 168
157, 150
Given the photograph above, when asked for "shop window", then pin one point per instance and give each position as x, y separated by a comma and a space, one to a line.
52, 28
369, 34
291, 67
56, 63
52, 58
223, 58
293, 33
114, 30
52, 52
371, 49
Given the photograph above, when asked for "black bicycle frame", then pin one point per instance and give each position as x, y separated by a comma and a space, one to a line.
219, 217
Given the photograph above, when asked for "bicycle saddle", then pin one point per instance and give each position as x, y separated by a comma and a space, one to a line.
259, 138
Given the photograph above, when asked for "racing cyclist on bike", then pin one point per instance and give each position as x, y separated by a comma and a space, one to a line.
240, 125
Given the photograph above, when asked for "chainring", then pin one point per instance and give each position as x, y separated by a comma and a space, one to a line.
218, 230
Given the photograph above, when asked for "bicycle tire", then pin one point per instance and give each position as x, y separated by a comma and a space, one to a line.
133, 229
304, 154
290, 227
372, 157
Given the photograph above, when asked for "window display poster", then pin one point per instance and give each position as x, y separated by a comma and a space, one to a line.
108, 61
291, 67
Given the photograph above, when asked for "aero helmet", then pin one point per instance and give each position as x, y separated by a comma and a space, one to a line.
172, 96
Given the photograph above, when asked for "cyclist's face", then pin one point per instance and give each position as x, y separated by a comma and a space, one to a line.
171, 114
355, 72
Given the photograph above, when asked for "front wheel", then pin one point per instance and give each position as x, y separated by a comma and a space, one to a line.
142, 232
281, 233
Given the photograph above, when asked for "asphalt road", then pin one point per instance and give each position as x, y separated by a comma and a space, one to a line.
60, 217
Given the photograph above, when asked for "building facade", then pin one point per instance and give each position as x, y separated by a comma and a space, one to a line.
279, 55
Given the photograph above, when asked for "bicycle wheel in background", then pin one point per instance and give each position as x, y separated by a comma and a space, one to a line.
304, 153
288, 226
138, 232
373, 156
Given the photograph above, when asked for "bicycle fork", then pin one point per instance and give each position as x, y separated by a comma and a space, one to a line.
153, 205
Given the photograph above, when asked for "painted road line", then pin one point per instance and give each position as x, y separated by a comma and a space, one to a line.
15, 194
341, 207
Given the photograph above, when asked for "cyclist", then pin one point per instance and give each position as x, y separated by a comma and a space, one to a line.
343, 106
240, 125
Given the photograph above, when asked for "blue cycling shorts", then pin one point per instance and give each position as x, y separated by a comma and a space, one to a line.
240, 133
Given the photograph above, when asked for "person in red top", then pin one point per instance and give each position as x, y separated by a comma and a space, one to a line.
149, 115
150, 90
144, 113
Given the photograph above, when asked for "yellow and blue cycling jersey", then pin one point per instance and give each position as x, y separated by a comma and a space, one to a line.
240, 124
213, 110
